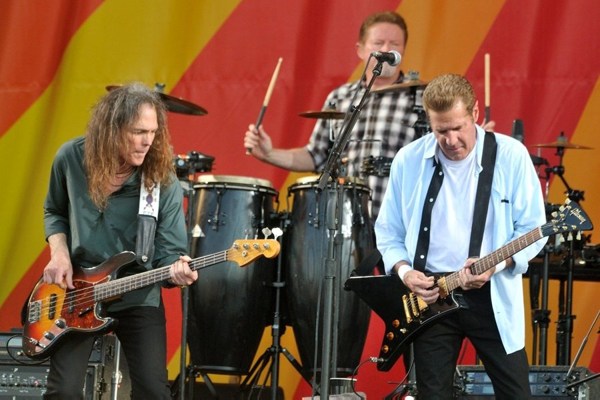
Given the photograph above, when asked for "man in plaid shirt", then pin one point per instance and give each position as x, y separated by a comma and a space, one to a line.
385, 123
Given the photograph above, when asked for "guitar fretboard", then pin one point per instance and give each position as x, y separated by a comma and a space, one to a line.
106, 290
496, 257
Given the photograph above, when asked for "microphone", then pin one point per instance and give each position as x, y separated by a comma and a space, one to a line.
391, 57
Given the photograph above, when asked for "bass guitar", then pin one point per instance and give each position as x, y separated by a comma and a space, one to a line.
53, 313
405, 314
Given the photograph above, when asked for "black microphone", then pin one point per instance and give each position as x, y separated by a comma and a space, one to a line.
517, 130
391, 57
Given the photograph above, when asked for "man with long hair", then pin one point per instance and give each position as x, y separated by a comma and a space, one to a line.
91, 213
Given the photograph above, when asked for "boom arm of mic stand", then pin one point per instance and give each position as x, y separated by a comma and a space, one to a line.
344, 136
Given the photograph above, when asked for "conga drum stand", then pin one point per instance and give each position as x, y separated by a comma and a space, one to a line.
277, 330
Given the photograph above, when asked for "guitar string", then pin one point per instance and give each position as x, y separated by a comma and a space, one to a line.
492, 259
87, 296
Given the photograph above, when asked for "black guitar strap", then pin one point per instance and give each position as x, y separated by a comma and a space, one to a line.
423, 242
482, 198
484, 186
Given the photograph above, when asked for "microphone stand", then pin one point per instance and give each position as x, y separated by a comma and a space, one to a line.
329, 349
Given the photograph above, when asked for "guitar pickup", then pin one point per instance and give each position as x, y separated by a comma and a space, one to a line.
34, 311
52, 306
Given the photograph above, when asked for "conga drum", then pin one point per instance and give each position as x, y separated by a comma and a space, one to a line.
306, 245
229, 305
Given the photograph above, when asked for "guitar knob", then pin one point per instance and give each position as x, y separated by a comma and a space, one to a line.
49, 335
390, 336
385, 349
395, 323
60, 323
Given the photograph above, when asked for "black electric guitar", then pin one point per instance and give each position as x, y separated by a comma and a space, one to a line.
52, 313
405, 314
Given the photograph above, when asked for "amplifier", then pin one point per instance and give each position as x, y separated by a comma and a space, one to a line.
23, 379
472, 382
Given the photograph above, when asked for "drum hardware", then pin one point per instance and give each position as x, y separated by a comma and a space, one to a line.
193, 162
277, 330
540, 317
421, 125
172, 103
376, 166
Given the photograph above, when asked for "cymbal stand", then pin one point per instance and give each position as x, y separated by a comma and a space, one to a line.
540, 317
421, 125
334, 207
564, 329
277, 330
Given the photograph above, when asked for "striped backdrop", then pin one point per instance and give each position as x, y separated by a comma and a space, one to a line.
58, 56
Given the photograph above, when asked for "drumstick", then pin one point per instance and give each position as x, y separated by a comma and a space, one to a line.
261, 114
487, 87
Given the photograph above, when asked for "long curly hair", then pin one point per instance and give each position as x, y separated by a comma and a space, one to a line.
106, 137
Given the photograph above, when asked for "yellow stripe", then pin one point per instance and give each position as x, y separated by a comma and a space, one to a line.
120, 42
454, 32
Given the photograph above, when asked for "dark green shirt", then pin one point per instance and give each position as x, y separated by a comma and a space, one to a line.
95, 235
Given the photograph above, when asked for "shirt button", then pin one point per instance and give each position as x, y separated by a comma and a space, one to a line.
421, 256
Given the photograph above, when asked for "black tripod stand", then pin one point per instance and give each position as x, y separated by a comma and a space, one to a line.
251, 382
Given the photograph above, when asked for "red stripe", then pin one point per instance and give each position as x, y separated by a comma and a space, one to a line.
539, 72
33, 38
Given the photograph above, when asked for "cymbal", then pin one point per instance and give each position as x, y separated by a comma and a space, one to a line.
564, 145
401, 85
323, 114
175, 104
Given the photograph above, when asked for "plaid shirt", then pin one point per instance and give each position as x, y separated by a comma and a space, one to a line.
384, 125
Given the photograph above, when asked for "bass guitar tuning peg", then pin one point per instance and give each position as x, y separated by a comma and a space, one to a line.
267, 232
277, 232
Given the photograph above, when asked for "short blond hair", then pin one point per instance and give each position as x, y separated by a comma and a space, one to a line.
445, 90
